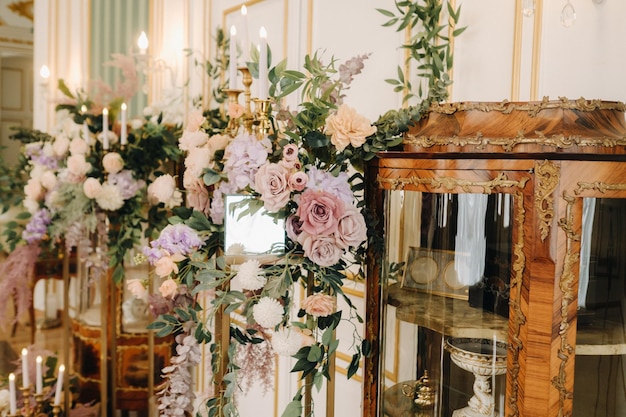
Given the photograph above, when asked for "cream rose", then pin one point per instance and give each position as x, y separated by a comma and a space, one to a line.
113, 162
192, 140
165, 266
61, 145
162, 189
33, 190
351, 228
78, 147
168, 288
347, 127
217, 143
78, 166
92, 187
136, 288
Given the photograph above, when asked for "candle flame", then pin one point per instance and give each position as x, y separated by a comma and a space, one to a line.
244, 10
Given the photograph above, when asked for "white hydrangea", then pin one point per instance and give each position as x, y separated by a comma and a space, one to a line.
286, 341
250, 275
268, 312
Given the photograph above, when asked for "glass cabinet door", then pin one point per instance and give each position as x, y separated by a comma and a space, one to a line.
600, 371
446, 311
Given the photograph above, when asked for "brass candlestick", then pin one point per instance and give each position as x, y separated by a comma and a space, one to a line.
233, 123
248, 117
262, 119
26, 397
56, 410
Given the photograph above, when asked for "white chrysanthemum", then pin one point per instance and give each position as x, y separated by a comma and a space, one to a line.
109, 198
286, 341
251, 276
268, 312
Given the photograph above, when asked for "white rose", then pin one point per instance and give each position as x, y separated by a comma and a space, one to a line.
113, 162
218, 143
78, 166
192, 140
38, 171
197, 160
162, 189
92, 187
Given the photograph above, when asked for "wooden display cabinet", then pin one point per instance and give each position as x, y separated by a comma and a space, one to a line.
530, 199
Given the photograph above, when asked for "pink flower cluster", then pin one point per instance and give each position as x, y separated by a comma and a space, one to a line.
276, 181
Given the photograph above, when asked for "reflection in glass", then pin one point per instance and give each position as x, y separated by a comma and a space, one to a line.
456, 251
600, 379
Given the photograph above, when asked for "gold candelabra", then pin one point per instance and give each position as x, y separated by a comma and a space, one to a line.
233, 122
262, 120
35, 409
248, 117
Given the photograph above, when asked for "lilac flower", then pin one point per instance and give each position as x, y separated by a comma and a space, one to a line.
126, 184
37, 226
243, 157
174, 239
339, 186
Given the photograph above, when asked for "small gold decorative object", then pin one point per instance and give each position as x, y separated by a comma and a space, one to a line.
233, 123
422, 393
56, 410
262, 120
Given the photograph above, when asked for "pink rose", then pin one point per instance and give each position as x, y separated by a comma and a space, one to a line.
198, 195
169, 288
319, 212
351, 228
290, 152
92, 187
194, 120
112, 162
322, 250
271, 182
319, 305
165, 266
347, 127
293, 226
298, 181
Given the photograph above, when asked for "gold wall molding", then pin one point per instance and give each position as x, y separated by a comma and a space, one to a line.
567, 286
548, 175
23, 8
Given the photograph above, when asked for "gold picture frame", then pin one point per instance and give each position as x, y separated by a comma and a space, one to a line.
432, 271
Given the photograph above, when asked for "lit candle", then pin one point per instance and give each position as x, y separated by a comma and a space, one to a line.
263, 64
12, 395
123, 127
232, 67
39, 376
25, 381
86, 136
105, 129
44, 72
57, 393
245, 43
142, 43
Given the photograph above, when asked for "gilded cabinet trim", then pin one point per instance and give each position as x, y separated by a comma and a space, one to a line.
567, 286
518, 318
601, 187
548, 176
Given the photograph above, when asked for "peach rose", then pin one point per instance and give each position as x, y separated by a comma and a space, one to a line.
48, 180
351, 228
162, 189
168, 288
92, 187
78, 166
112, 162
61, 145
78, 147
271, 182
347, 127
165, 266
33, 190
137, 289
319, 212
319, 305
235, 110
195, 120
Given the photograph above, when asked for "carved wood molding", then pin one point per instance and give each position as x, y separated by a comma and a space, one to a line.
601, 187
548, 175
567, 286
508, 143
449, 183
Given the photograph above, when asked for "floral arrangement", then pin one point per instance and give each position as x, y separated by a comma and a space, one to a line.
303, 173
86, 189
